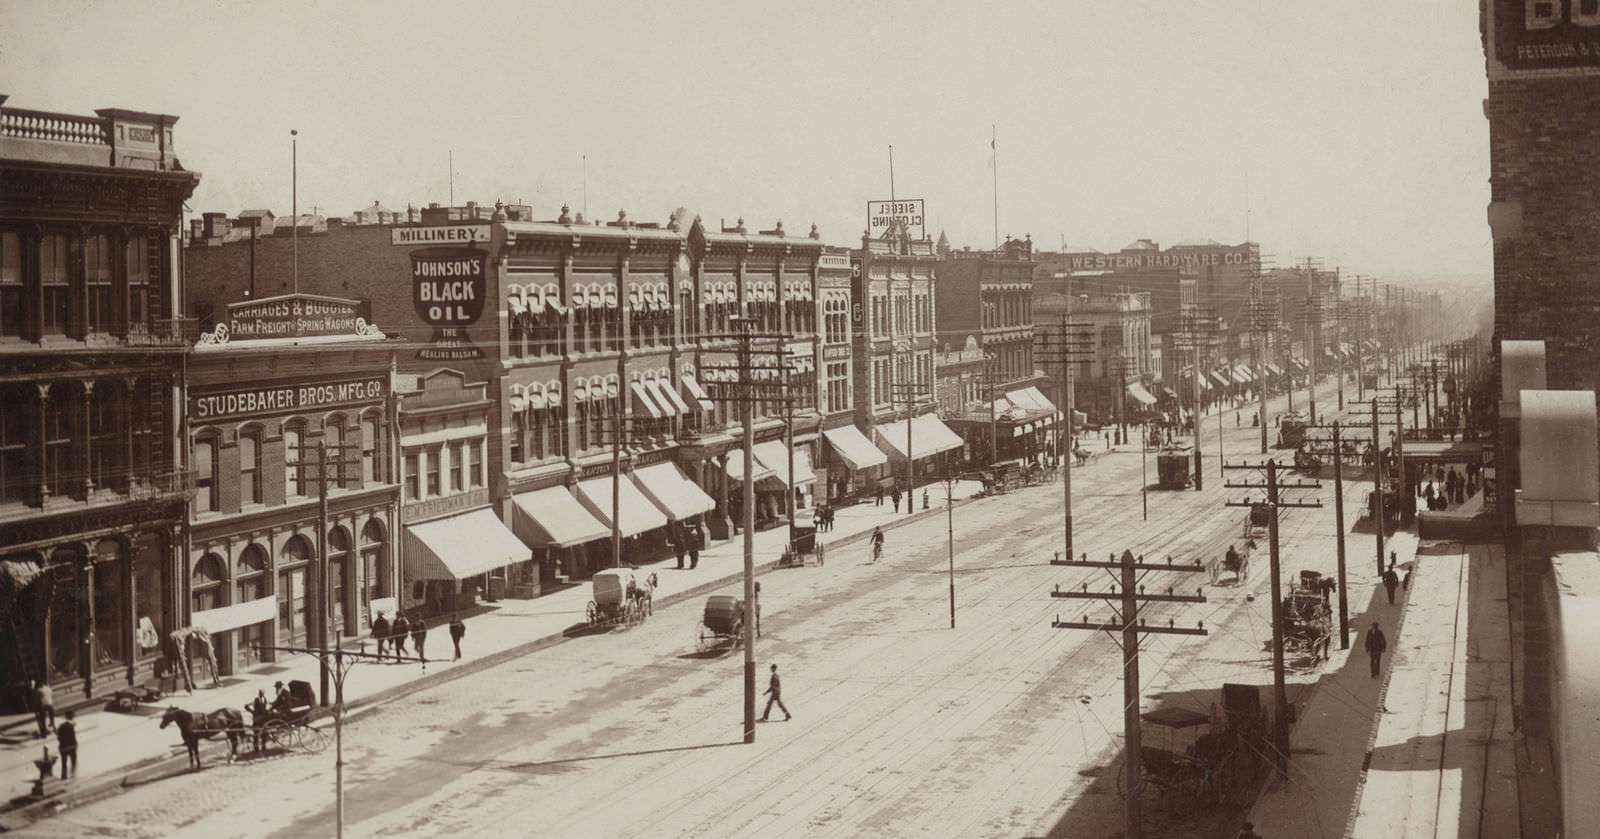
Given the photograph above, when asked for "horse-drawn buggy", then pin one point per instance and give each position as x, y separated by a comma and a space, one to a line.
1172, 466
1256, 519
1234, 564
1197, 758
286, 724
805, 545
1307, 617
721, 623
621, 597
1292, 430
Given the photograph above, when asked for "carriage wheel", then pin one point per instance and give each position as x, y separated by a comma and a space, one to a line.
279, 733
702, 638
593, 612
313, 739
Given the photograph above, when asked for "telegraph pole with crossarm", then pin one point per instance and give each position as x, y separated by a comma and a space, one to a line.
1274, 503
1125, 597
331, 463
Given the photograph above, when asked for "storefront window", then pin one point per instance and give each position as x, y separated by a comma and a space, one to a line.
250, 571
374, 565
65, 610
292, 581
109, 603
338, 562
149, 601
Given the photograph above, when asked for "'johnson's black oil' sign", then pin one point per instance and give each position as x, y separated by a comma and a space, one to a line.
448, 285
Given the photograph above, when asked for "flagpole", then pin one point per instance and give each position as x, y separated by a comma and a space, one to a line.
891, 181
994, 153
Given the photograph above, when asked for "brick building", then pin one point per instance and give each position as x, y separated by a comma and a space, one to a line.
92, 343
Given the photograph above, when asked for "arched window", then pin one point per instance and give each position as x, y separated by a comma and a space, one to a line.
370, 442
250, 465
333, 445
338, 566
205, 472
206, 583
294, 435
293, 585
374, 565
251, 573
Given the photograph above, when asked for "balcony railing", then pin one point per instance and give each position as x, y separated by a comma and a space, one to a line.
170, 485
63, 128
164, 332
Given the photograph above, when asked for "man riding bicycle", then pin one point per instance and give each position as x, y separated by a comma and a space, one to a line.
877, 543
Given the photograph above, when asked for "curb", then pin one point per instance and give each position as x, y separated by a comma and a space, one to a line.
16, 817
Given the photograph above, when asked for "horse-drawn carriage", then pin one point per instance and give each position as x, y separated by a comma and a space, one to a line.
1198, 758
804, 545
1235, 563
285, 724
1256, 519
1307, 617
621, 597
721, 623
1172, 466
1292, 430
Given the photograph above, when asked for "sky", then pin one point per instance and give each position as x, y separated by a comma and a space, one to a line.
1351, 132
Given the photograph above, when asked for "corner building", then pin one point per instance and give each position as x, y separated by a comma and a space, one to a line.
93, 483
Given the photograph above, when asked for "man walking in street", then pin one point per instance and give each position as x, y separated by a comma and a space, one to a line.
774, 693
380, 632
397, 634
877, 543
67, 741
1375, 645
1391, 581
457, 630
44, 706
419, 637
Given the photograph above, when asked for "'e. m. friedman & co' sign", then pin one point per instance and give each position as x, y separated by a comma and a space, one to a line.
293, 316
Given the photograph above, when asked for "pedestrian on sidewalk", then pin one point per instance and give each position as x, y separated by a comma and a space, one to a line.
419, 637
457, 630
774, 693
924, 498
397, 634
894, 496
1391, 581
697, 540
879, 501
44, 706
1376, 643
380, 632
67, 742
675, 539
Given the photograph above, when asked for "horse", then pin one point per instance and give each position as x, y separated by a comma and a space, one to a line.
223, 721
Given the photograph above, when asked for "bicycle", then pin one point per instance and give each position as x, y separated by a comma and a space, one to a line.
877, 551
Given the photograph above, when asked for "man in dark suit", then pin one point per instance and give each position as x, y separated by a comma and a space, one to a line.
774, 693
380, 632
397, 634
1376, 643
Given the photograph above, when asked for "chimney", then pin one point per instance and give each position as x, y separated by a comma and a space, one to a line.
215, 224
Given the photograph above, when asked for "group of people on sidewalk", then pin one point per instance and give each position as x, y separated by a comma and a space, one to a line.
43, 699
393, 635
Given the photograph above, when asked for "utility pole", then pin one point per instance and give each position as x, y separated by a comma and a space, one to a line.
1197, 332
908, 391
1262, 321
1337, 452
318, 607
1312, 318
1072, 342
754, 383
1125, 597
1274, 503
343, 662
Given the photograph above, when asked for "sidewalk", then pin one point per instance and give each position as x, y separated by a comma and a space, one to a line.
1426, 749
115, 745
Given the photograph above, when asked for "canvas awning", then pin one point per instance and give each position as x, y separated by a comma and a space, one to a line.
551, 517
672, 491
854, 447
1221, 378
696, 392
460, 546
775, 456
1137, 391
667, 396
1273, 369
736, 466
224, 618
637, 514
929, 437
1239, 376
643, 402
1031, 399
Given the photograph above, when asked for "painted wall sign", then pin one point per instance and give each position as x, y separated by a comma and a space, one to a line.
292, 316
212, 405
1532, 38
453, 234
907, 210
448, 285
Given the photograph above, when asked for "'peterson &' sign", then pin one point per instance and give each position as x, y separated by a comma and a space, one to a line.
249, 401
